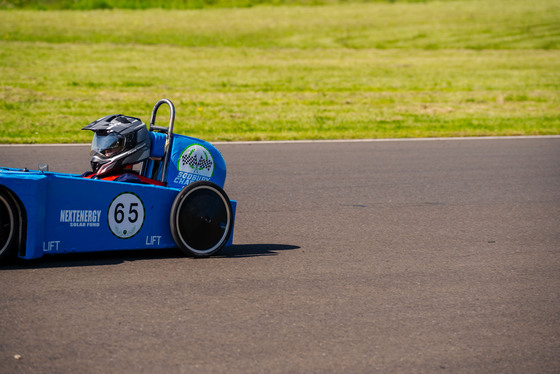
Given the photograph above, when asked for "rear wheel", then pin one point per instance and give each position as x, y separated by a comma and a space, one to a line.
201, 219
8, 225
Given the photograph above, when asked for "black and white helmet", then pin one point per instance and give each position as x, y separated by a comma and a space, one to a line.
119, 141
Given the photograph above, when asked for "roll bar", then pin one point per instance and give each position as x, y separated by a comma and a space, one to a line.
165, 130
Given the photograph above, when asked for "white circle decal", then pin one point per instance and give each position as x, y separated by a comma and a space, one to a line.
198, 160
126, 215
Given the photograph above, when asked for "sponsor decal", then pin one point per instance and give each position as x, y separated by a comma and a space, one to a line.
196, 163
80, 217
186, 178
126, 215
51, 246
153, 240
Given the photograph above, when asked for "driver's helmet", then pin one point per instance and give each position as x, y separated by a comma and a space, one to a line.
119, 141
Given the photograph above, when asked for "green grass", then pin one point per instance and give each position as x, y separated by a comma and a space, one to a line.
165, 4
371, 70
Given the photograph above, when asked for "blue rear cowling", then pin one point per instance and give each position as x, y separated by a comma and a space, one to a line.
190, 160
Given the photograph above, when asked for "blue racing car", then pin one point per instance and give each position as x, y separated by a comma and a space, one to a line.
176, 199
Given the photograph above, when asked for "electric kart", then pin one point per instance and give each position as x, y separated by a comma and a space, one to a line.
44, 212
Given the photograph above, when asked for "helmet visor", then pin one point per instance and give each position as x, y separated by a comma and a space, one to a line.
107, 145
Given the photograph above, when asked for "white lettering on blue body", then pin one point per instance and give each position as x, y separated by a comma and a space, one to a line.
51, 246
186, 178
81, 217
152, 240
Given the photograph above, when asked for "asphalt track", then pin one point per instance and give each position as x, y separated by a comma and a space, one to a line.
428, 256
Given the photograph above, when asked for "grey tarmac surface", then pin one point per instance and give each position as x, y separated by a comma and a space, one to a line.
350, 257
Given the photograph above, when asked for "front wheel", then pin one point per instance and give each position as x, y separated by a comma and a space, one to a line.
201, 219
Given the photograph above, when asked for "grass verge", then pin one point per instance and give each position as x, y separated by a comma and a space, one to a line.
267, 73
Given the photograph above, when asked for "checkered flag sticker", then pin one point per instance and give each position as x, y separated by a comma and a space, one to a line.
197, 163
196, 159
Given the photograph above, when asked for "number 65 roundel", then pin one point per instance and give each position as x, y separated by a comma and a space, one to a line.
126, 215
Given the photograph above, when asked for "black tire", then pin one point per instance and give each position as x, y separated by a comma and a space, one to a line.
201, 219
9, 225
